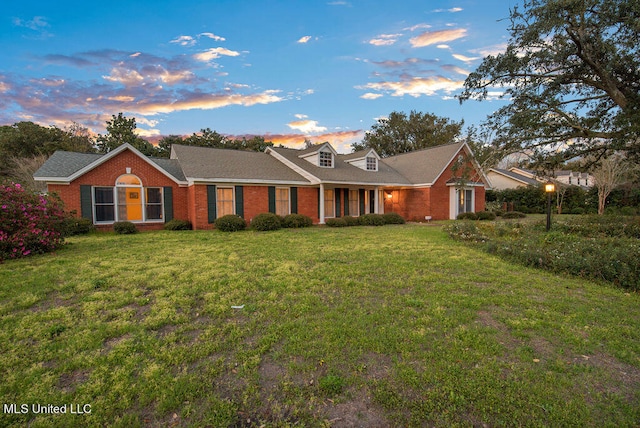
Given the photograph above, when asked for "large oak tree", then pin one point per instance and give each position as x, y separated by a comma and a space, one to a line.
571, 74
400, 134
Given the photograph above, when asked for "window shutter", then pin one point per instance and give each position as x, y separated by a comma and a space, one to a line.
272, 199
372, 201
338, 192
294, 200
361, 194
167, 199
211, 203
318, 202
240, 201
346, 201
86, 207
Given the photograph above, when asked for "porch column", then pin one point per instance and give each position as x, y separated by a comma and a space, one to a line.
376, 200
321, 203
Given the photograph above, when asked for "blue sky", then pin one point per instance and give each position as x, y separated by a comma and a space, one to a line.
288, 70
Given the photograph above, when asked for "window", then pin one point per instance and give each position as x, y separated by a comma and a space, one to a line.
326, 159
282, 201
354, 203
329, 203
372, 163
104, 204
153, 200
465, 201
127, 201
224, 201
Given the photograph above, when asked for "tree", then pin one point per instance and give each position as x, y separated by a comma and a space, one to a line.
206, 138
164, 145
572, 75
399, 134
28, 140
609, 174
120, 130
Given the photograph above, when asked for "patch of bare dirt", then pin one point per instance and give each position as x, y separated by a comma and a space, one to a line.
68, 382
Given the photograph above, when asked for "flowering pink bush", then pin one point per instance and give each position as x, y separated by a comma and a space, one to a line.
29, 223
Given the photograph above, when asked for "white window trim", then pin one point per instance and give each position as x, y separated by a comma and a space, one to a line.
143, 201
288, 189
375, 162
333, 205
320, 160
233, 199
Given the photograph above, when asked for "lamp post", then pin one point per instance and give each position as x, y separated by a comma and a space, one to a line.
549, 188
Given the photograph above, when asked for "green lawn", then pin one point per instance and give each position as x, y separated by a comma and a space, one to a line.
361, 326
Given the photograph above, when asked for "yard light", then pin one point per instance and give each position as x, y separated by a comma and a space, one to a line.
549, 188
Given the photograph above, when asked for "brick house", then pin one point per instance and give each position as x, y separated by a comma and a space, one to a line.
201, 184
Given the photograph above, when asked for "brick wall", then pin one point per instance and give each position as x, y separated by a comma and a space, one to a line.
308, 202
256, 201
106, 175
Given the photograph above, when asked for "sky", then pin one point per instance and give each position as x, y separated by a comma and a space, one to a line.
286, 70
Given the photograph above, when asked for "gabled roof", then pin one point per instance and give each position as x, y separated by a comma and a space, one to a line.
515, 176
64, 167
425, 166
209, 164
361, 154
342, 172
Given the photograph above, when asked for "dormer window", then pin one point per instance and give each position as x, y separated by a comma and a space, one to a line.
326, 159
372, 163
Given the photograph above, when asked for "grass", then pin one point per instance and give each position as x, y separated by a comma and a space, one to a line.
385, 326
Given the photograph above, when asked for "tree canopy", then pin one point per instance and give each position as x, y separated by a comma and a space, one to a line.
571, 73
25, 140
400, 134
120, 130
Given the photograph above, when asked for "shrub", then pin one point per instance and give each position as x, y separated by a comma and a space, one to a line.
371, 220
266, 221
230, 223
486, 215
124, 227
351, 221
297, 221
29, 223
77, 226
630, 211
513, 214
336, 222
177, 224
393, 218
467, 216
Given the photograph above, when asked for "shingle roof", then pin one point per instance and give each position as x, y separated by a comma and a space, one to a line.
516, 176
423, 166
62, 164
343, 172
209, 164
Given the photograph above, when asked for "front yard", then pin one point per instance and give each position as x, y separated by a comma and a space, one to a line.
361, 326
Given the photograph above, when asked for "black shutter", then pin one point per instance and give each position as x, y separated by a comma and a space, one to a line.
361, 194
211, 203
86, 208
272, 199
372, 201
337, 198
294, 200
240, 201
346, 202
167, 199
318, 202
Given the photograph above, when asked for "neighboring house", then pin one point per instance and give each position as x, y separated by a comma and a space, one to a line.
502, 179
201, 184
573, 178
514, 177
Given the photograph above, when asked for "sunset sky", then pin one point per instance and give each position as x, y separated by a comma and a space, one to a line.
325, 70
